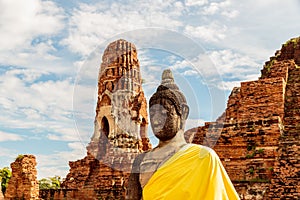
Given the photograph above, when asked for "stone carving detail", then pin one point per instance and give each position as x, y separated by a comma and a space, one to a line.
121, 106
23, 183
259, 141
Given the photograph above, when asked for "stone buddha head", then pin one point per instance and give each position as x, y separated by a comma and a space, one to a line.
168, 108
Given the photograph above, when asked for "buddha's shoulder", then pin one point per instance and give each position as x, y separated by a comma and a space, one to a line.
202, 150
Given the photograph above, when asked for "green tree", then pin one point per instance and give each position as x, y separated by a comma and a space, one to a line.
5, 175
55, 181
44, 184
50, 183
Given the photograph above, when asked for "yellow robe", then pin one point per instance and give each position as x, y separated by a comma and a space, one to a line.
193, 173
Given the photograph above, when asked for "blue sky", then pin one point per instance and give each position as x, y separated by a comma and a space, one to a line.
51, 51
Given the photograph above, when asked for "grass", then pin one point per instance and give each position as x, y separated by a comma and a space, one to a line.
20, 157
292, 41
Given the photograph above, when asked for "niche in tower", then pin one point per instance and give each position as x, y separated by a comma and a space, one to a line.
143, 129
105, 127
103, 142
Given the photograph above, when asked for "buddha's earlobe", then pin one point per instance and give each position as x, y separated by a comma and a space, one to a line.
179, 123
185, 112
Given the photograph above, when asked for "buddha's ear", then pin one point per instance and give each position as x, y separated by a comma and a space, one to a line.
185, 111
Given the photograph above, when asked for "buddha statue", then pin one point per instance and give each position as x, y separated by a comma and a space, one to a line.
175, 169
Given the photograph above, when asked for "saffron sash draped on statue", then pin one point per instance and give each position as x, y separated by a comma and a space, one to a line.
193, 173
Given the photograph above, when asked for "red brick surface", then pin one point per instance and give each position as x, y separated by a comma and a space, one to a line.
23, 183
257, 138
103, 173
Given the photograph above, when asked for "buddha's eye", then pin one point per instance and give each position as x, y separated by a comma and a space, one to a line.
159, 112
157, 108
153, 111
164, 111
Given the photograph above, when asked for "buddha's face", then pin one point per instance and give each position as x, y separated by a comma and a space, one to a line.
165, 121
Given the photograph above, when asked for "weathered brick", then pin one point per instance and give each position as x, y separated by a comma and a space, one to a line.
23, 183
258, 139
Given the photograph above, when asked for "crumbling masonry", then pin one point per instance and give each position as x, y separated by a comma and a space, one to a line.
120, 131
23, 183
258, 135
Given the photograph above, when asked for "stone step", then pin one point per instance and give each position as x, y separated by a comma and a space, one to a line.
295, 155
293, 81
292, 98
294, 118
292, 127
293, 109
291, 114
288, 154
282, 142
294, 124
294, 74
292, 94
291, 132
290, 138
293, 84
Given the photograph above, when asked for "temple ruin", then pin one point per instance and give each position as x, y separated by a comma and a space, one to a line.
23, 184
257, 137
120, 130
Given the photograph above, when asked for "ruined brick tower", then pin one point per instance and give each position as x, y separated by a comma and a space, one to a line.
121, 114
23, 183
257, 138
120, 130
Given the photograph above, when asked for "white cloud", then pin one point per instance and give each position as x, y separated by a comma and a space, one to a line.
21, 21
191, 73
212, 8
150, 70
4, 152
213, 32
231, 13
9, 137
181, 64
196, 2
7, 156
28, 75
91, 25
57, 163
217, 7
192, 123
201, 65
46, 105
27, 34
234, 68
255, 32
229, 85
222, 68
229, 62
